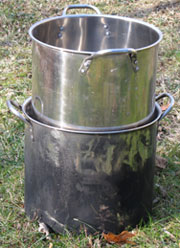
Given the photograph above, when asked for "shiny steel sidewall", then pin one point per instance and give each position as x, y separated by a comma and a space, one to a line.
111, 93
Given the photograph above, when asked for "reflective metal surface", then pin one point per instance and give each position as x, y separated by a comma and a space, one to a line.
87, 61
81, 6
103, 181
111, 92
28, 111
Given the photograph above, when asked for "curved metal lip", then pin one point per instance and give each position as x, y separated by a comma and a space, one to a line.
55, 123
95, 15
86, 131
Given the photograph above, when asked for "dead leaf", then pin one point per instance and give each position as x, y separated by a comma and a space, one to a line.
44, 229
177, 162
122, 238
51, 245
161, 162
162, 189
156, 200
19, 226
97, 243
103, 207
178, 173
169, 234
90, 242
164, 107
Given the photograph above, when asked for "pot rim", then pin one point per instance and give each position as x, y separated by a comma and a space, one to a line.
57, 123
30, 120
91, 16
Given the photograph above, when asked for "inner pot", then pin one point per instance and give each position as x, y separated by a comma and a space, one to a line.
101, 181
93, 70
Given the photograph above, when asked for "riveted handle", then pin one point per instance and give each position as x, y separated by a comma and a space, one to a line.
131, 51
81, 6
171, 98
13, 106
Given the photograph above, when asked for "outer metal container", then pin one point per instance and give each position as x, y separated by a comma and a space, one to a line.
103, 181
93, 71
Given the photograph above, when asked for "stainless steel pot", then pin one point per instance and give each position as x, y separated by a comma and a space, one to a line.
103, 181
86, 130
93, 70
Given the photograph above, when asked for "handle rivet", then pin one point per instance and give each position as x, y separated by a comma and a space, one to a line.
108, 33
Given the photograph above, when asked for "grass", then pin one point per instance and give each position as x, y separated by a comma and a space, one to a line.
16, 230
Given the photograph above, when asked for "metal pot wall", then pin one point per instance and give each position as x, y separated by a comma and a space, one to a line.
102, 181
93, 70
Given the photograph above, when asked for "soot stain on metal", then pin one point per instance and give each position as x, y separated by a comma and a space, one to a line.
104, 180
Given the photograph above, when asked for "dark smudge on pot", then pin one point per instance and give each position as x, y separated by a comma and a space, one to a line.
103, 181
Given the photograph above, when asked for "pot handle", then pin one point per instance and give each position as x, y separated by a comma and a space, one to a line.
13, 106
171, 98
131, 51
81, 6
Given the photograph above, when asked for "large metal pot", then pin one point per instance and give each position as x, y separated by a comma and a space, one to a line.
93, 70
103, 181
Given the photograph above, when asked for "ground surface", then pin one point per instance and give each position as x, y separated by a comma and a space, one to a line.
16, 230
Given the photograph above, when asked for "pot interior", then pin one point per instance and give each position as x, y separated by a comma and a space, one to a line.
93, 33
